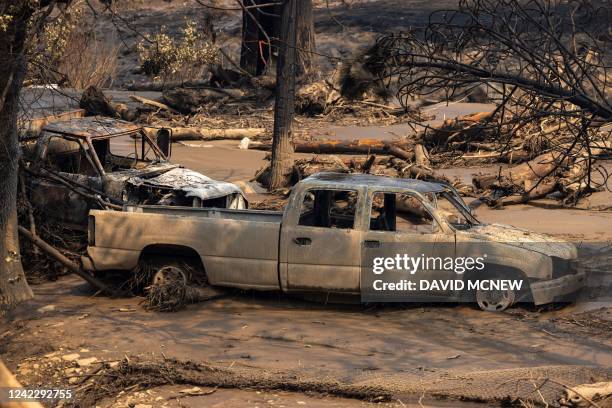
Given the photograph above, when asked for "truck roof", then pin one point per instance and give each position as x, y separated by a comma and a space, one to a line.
92, 126
371, 181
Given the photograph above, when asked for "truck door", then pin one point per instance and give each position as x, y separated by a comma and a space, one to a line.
324, 246
63, 162
400, 225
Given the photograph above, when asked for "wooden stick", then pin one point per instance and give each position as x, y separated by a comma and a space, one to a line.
150, 102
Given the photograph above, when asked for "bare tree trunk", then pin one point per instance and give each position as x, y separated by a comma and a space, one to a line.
255, 53
282, 150
13, 285
306, 59
258, 27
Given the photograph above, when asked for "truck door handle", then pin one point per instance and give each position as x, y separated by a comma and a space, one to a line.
372, 244
302, 241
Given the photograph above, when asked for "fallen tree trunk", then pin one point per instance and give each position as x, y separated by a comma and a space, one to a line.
71, 266
186, 133
163, 86
452, 129
421, 156
94, 102
357, 146
540, 167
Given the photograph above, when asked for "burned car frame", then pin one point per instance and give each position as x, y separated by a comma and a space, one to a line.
98, 162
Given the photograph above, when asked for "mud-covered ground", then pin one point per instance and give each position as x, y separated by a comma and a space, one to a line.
440, 353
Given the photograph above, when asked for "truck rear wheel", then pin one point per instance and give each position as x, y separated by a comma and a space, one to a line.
170, 274
168, 270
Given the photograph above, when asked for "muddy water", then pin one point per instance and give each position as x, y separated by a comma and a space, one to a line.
222, 160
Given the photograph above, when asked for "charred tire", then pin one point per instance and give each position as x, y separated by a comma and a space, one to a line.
170, 274
167, 270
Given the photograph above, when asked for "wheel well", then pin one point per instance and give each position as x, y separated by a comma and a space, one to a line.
172, 251
154, 255
505, 271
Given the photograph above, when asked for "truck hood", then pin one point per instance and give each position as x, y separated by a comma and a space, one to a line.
532, 241
192, 183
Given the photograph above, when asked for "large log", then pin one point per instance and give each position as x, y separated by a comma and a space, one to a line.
163, 86
357, 146
186, 133
454, 128
151, 102
421, 156
542, 166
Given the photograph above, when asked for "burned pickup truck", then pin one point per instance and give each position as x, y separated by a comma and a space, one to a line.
104, 163
324, 241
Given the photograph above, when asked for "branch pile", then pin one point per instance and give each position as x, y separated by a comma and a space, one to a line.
545, 64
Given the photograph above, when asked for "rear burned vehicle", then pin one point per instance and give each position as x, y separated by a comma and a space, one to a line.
102, 163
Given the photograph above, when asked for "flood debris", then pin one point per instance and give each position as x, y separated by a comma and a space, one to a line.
136, 373
588, 395
175, 296
70, 265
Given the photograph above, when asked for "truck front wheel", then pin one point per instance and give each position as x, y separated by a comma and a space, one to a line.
495, 300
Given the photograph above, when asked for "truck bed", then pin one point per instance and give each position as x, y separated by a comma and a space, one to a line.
218, 213
237, 247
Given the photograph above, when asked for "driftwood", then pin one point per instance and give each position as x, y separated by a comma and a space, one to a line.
71, 266
527, 181
452, 129
358, 146
521, 175
125, 112
421, 156
150, 102
185, 133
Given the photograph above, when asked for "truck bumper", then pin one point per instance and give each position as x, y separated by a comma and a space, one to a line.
550, 290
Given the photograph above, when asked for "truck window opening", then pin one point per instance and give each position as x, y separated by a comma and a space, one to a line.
400, 213
329, 209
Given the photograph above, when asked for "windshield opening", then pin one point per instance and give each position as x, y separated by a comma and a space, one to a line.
452, 208
126, 152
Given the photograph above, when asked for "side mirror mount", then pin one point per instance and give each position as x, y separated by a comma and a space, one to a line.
164, 141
